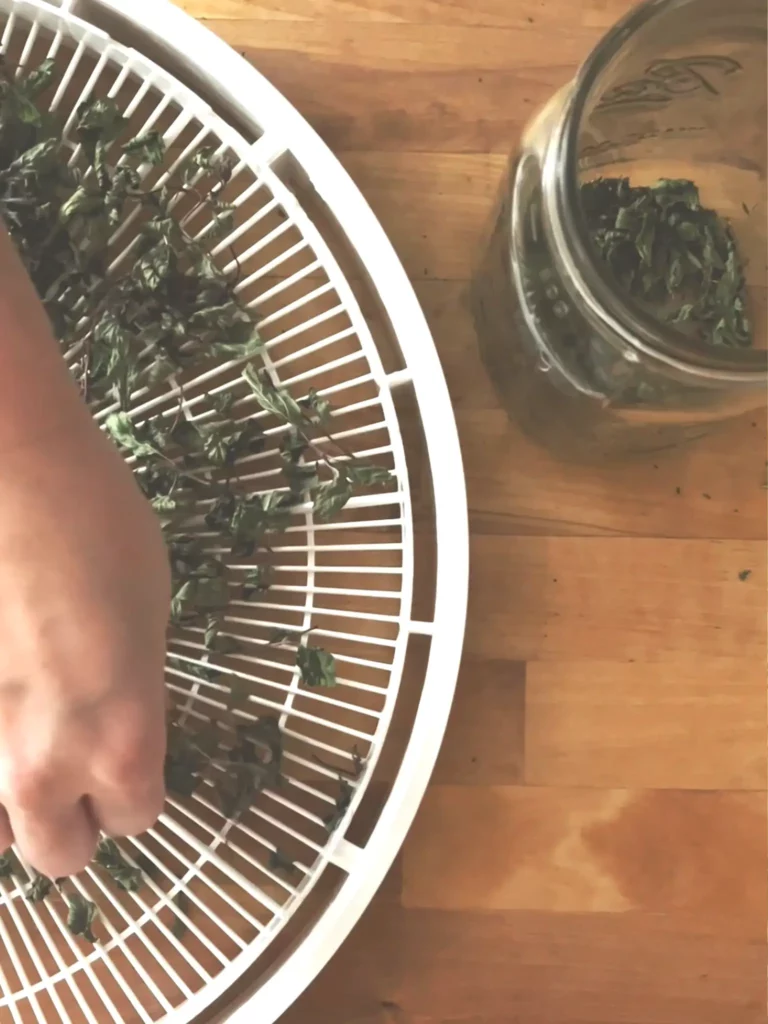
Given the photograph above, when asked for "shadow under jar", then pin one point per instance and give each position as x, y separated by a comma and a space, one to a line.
621, 302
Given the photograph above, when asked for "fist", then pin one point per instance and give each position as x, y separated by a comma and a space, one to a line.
83, 613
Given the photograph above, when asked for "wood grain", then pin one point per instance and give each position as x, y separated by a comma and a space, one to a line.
691, 723
593, 847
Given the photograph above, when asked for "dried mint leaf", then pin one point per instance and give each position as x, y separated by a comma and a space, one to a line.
317, 667
82, 914
39, 889
10, 866
126, 876
258, 580
148, 148
317, 408
279, 861
278, 401
676, 256
343, 801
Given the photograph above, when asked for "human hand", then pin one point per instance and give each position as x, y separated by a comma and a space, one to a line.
83, 613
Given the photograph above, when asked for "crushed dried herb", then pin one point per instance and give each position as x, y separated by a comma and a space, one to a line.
676, 256
279, 861
343, 801
81, 916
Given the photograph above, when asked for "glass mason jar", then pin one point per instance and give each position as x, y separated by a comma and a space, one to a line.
677, 90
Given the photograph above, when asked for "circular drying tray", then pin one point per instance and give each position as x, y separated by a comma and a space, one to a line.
339, 315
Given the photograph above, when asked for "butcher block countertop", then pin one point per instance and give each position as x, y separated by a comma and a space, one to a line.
592, 848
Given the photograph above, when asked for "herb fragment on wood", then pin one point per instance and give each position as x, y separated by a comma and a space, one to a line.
745, 574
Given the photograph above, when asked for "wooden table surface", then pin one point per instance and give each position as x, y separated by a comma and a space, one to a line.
592, 849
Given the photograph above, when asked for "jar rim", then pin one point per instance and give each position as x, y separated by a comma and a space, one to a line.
625, 316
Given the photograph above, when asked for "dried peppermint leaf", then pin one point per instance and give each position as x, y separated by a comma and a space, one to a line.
218, 642
317, 667
148, 148
317, 408
680, 258
99, 120
199, 596
82, 914
210, 673
10, 866
279, 861
126, 876
123, 431
331, 497
278, 401
39, 889
343, 801
239, 692
184, 763
39, 79
258, 580
365, 474
283, 636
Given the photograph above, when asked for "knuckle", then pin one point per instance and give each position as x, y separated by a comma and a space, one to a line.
127, 768
133, 756
142, 816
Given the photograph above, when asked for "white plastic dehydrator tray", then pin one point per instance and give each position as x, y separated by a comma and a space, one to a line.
312, 256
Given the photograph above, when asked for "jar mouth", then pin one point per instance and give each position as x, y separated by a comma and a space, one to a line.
624, 315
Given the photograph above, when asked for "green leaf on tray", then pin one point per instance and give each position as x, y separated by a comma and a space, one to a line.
81, 916
317, 667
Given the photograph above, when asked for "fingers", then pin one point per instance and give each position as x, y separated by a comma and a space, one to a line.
127, 788
41, 790
56, 838
6, 832
67, 773
130, 811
